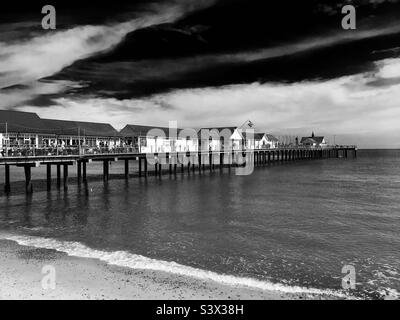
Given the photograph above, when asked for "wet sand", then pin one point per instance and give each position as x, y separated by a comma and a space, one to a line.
81, 278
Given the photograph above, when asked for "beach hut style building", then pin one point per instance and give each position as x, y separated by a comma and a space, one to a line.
265, 141
313, 141
237, 138
232, 138
152, 139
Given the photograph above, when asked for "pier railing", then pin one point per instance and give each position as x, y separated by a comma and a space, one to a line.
28, 152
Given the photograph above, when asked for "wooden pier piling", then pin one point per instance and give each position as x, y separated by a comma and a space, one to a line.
79, 171
28, 178
7, 185
126, 168
48, 174
65, 171
58, 166
84, 171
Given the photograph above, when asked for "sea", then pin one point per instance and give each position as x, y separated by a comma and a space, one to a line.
295, 227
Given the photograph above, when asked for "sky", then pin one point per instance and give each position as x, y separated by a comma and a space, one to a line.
288, 66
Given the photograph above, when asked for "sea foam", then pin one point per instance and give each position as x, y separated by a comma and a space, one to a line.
134, 261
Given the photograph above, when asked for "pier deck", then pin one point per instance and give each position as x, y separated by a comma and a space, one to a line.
172, 161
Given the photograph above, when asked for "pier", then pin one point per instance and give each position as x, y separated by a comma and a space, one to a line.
157, 164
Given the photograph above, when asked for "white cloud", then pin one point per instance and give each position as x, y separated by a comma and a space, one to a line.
43, 56
346, 107
389, 68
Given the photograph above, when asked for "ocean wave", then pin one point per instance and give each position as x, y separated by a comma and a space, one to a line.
134, 261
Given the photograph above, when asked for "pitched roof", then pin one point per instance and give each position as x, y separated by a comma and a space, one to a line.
270, 137
258, 136
317, 140
218, 129
76, 128
133, 130
252, 136
28, 122
23, 122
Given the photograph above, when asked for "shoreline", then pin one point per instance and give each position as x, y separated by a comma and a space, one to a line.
91, 279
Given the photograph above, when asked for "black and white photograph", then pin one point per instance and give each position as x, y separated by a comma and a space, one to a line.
200, 150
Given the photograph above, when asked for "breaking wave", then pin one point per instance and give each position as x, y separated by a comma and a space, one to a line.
134, 261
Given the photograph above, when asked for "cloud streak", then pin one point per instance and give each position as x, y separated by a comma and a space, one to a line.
43, 56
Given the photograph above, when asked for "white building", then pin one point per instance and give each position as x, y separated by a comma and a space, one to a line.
237, 138
313, 141
265, 141
152, 139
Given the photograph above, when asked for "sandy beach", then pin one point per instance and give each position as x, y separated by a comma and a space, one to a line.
81, 278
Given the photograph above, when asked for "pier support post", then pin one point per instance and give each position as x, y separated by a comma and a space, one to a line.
48, 173
28, 179
58, 176
126, 168
7, 186
65, 176
84, 171
79, 170
145, 166
105, 170
140, 166
200, 162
